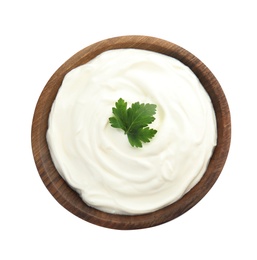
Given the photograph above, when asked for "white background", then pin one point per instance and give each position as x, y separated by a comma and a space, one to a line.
36, 38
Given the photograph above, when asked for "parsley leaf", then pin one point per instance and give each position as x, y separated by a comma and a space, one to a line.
134, 121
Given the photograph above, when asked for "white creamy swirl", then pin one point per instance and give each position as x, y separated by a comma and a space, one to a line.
98, 161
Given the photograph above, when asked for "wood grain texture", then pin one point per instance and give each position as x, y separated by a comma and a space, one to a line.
67, 197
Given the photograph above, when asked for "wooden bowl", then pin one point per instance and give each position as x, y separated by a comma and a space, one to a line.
67, 197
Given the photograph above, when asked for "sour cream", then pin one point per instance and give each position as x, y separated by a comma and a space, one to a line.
97, 160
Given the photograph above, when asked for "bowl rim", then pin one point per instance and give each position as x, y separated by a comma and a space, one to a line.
67, 197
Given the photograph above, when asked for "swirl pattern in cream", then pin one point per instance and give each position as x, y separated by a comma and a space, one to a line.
97, 160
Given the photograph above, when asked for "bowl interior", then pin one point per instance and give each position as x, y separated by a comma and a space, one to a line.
67, 197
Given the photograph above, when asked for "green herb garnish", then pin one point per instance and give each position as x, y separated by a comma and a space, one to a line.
134, 121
